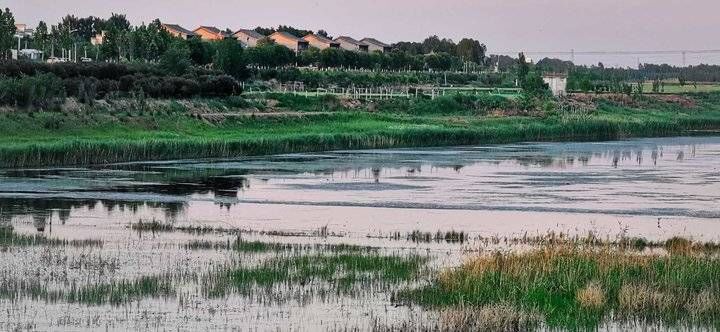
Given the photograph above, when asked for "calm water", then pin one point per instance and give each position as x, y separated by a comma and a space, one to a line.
655, 188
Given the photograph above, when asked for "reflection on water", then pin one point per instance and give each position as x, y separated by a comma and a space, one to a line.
675, 179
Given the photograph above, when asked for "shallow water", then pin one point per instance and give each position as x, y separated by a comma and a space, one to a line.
656, 188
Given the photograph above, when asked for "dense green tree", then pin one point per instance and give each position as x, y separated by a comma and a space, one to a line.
471, 50
117, 21
310, 57
533, 84
200, 54
523, 68
434, 44
229, 58
411, 48
332, 57
41, 38
176, 59
269, 54
284, 28
439, 61
7, 32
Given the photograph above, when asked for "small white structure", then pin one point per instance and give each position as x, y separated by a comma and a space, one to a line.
31, 54
22, 30
556, 82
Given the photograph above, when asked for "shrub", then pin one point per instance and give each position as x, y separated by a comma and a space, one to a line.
219, 86
41, 91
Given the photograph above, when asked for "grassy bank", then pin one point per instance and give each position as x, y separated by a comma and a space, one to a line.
124, 131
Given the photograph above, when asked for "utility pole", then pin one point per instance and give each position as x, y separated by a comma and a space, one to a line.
572, 55
684, 58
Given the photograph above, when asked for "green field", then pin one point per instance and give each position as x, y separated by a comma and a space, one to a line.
676, 88
172, 130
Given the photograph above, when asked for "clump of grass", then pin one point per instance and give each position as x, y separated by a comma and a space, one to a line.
427, 237
258, 246
339, 271
9, 238
579, 287
679, 245
499, 317
674, 245
591, 296
153, 226
115, 292
122, 291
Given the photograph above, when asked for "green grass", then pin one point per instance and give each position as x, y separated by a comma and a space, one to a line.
339, 270
106, 136
9, 238
687, 88
579, 288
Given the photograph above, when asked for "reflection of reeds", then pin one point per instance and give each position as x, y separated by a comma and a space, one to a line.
9, 238
427, 237
574, 285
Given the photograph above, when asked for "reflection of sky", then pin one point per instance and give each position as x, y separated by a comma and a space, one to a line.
651, 178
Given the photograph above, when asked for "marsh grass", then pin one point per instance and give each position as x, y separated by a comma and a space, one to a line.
580, 287
153, 226
439, 236
9, 238
339, 270
674, 244
99, 140
114, 293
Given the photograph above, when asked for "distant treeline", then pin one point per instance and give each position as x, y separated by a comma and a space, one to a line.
31, 84
599, 77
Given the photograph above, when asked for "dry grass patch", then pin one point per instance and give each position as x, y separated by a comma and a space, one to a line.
592, 296
500, 317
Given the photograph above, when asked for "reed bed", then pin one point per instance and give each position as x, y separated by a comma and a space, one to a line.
9, 238
575, 286
337, 271
192, 138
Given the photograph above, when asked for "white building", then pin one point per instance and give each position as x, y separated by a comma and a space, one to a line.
556, 82
22, 30
31, 54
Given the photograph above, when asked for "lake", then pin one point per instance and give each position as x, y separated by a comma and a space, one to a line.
653, 188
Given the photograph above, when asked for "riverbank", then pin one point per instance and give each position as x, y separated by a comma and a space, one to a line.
120, 131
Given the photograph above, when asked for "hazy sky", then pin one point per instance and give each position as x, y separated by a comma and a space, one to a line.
503, 25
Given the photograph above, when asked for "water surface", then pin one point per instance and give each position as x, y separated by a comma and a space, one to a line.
655, 188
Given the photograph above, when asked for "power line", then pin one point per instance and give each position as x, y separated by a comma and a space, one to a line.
573, 53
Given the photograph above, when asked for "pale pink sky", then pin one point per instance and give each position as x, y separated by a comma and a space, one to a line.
504, 25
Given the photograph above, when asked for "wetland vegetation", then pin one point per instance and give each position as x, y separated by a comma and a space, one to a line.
117, 132
551, 281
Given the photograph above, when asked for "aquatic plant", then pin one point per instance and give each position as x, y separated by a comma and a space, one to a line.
579, 287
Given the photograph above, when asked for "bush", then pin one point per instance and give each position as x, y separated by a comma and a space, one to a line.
40, 91
219, 86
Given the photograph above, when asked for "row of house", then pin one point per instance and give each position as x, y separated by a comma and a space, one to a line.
250, 38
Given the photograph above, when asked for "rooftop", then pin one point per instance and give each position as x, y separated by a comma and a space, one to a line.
211, 29
285, 35
177, 28
251, 33
320, 39
350, 40
374, 42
